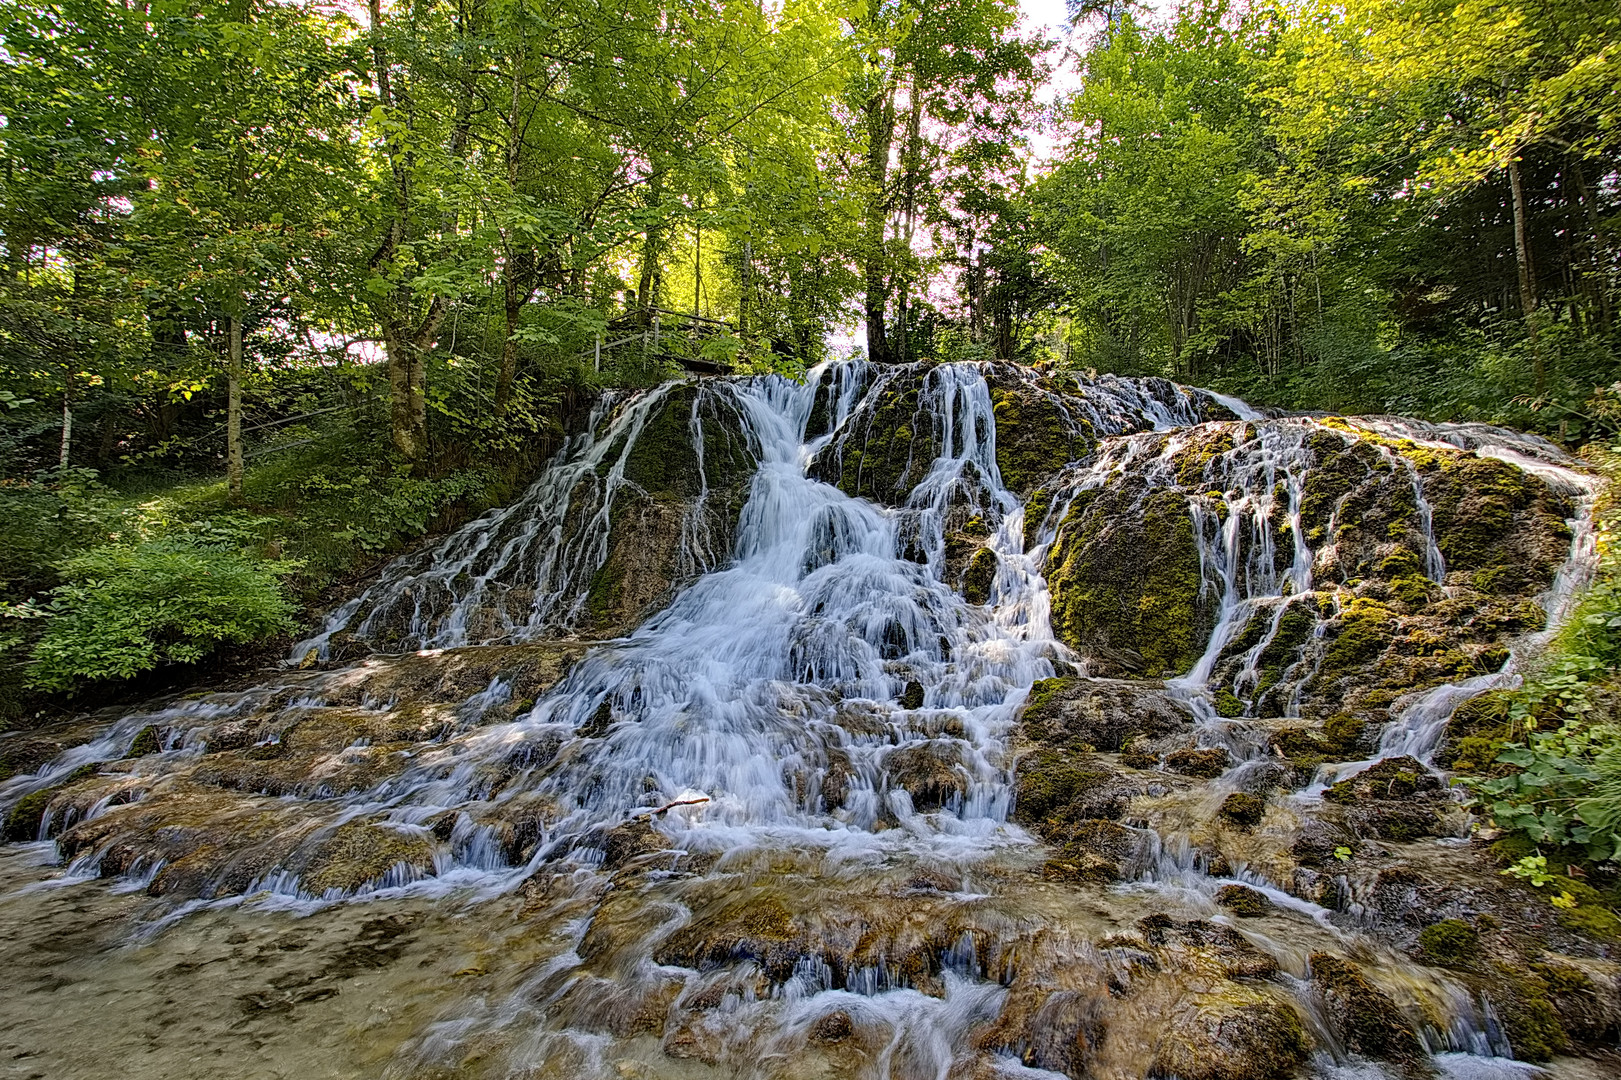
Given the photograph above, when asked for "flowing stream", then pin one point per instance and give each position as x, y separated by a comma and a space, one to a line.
812, 742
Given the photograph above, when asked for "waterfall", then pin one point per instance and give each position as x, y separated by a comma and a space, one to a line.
813, 719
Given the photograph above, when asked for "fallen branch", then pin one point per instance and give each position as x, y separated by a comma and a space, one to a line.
673, 805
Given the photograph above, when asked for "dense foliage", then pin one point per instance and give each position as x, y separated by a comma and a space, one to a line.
122, 610
1550, 752
1384, 205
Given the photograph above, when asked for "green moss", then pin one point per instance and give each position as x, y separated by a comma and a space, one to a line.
981, 575
1511, 849
602, 595
1343, 732
1034, 437
1366, 629
1400, 563
1124, 575
1592, 921
1048, 783
1228, 705
1529, 1018
1450, 943
146, 742
1414, 590
1044, 692
1244, 809
1035, 512
22, 823
884, 451
1192, 463
1243, 901
1367, 1019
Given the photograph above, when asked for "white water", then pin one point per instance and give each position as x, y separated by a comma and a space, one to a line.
737, 700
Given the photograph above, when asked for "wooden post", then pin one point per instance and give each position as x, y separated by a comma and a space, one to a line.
596, 363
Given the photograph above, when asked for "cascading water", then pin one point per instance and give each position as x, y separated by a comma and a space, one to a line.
774, 817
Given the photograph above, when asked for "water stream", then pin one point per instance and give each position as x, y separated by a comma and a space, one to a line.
768, 830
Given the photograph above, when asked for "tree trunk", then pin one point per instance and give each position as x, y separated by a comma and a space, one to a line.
880, 136
518, 280
67, 428
233, 411
1528, 281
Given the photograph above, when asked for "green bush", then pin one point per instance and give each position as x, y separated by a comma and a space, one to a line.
125, 609
45, 516
1560, 781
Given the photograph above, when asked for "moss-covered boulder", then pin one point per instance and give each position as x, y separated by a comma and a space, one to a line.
1125, 580
1367, 1020
1243, 901
931, 773
1100, 714
362, 853
1038, 432
888, 445
1206, 764
1243, 809
676, 516
1235, 1033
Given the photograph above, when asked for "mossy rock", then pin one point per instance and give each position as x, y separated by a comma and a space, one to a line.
1035, 437
1243, 809
1449, 943
1035, 513
1204, 764
146, 742
1234, 1033
1365, 631
1089, 851
931, 773
1392, 778
1476, 732
981, 575
360, 854
1227, 705
1192, 462
887, 446
27, 814
630, 841
758, 927
1051, 788
1591, 920
1367, 1020
1085, 714
1125, 581
1243, 901
1527, 1013
664, 460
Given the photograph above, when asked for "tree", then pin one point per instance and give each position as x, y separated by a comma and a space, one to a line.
929, 78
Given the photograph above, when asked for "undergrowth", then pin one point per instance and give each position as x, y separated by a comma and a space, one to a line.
1557, 788
106, 580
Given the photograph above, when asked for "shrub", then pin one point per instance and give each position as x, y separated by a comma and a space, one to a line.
125, 609
1558, 783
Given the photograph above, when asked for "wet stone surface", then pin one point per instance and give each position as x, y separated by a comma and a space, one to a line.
963, 722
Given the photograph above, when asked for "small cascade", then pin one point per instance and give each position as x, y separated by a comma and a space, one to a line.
526, 569
728, 712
